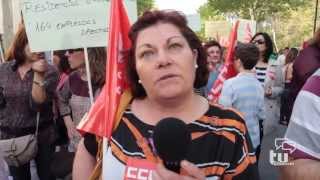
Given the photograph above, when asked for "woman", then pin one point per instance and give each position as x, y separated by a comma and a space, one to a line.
287, 75
214, 60
265, 46
270, 76
306, 63
74, 100
163, 72
60, 61
28, 84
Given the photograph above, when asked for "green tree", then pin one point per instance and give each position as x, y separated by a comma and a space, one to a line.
257, 10
206, 13
144, 5
295, 27
289, 22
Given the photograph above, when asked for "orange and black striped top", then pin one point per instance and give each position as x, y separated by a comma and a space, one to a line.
220, 145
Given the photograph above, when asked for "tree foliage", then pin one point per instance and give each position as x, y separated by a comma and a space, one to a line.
257, 10
144, 5
295, 27
290, 20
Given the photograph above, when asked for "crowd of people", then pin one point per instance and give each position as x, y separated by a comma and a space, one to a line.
165, 73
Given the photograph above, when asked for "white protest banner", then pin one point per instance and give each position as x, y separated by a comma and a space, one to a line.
69, 24
220, 30
1, 18
246, 30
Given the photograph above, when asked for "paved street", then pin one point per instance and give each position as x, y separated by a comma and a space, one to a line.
268, 171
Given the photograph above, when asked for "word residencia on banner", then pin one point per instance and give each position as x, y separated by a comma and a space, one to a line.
52, 5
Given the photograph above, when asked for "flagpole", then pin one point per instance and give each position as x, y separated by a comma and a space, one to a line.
51, 56
315, 17
88, 74
1, 51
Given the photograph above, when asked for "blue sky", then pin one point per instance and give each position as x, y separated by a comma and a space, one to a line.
186, 6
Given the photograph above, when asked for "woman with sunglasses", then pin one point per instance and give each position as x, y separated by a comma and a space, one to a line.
270, 76
74, 100
265, 46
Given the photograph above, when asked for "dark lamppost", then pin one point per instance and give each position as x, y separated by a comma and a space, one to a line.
315, 17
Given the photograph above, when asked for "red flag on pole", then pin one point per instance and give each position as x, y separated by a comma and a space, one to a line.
228, 70
115, 94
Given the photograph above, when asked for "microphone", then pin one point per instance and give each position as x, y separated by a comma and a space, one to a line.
171, 140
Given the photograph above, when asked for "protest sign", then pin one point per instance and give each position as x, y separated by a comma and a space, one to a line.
68, 24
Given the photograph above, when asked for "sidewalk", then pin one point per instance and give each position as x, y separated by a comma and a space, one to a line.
267, 170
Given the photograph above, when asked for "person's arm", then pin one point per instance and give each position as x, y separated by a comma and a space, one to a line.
71, 127
83, 164
261, 110
277, 87
244, 163
64, 96
45, 80
38, 91
302, 134
289, 72
301, 169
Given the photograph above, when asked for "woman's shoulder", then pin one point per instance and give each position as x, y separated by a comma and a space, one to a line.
221, 112
6, 65
74, 75
75, 80
218, 117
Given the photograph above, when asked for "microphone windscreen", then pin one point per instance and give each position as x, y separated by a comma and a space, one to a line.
171, 139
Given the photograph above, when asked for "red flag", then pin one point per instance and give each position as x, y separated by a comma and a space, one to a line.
115, 94
228, 70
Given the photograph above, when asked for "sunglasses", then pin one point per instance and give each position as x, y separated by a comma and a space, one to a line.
258, 42
75, 50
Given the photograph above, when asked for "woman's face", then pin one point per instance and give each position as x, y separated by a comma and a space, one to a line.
214, 55
32, 56
75, 58
260, 42
165, 62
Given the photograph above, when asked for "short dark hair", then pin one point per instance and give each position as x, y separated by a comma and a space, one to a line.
269, 45
150, 18
248, 54
212, 43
